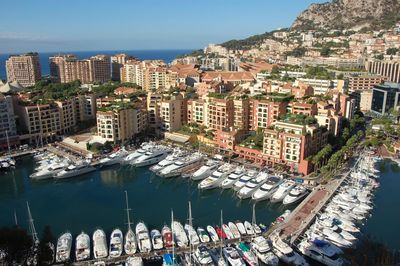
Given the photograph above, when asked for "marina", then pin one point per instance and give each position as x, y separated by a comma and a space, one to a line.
287, 233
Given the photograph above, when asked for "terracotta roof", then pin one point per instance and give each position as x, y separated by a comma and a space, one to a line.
124, 90
227, 76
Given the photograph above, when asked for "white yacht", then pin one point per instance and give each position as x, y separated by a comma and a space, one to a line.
282, 191
321, 251
113, 158
235, 231
202, 256
143, 237
116, 243
75, 170
251, 186
232, 256
285, 252
206, 170
204, 237
137, 153
263, 251
233, 177
49, 171
82, 247
227, 231
99, 244
241, 228
64, 244
130, 242
213, 233
267, 189
249, 228
170, 159
182, 165
295, 195
151, 157
247, 254
134, 261
244, 179
192, 235
180, 236
156, 239
217, 177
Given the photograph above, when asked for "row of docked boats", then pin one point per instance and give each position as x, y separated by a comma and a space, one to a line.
337, 227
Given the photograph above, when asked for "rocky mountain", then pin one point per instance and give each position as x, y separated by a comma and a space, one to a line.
349, 14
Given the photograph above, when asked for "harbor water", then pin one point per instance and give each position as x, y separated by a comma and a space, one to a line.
97, 199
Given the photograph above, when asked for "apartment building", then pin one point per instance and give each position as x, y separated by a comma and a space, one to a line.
197, 111
385, 98
24, 68
228, 76
220, 113
366, 100
119, 125
85, 107
387, 68
299, 108
265, 112
241, 114
364, 82
8, 128
68, 68
117, 62
67, 109
204, 88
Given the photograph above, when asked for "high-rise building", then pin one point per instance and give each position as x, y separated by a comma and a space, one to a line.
385, 97
8, 129
24, 68
117, 62
68, 68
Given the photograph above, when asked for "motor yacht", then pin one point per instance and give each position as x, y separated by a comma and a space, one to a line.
249, 228
49, 171
99, 244
130, 242
180, 236
285, 253
263, 251
182, 165
75, 170
247, 254
213, 234
134, 261
282, 191
167, 237
151, 157
267, 189
82, 247
252, 185
192, 235
206, 170
113, 158
204, 237
321, 251
170, 159
296, 194
64, 244
116, 243
143, 237
217, 177
156, 239
233, 177
244, 179
146, 146
202, 256
227, 231
232, 256
241, 228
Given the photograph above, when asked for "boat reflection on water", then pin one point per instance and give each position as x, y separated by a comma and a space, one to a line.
115, 175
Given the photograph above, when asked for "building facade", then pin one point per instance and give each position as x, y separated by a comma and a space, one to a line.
385, 98
24, 68
8, 128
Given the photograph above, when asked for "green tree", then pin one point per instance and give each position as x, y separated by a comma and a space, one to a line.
325, 51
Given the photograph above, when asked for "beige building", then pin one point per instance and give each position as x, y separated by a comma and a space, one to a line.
365, 100
220, 113
120, 124
117, 62
197, 111
8, 128
24, 68
67, 68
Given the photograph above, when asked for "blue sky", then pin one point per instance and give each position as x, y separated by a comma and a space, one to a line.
74, 25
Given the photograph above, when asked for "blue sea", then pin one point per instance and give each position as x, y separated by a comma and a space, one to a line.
166, 55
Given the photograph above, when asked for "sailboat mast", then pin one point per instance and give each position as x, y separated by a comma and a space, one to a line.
173, 237
190, 235
254, 216
15, 218
32, 226
127, 210
8, 143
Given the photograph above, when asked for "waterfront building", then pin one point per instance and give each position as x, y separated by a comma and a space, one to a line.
100, 68
8, 128
85, 107
265, 112
387, 68
117, 62
220, 113
24, 68
385, 98
68, 117
119, 124
197, 111
241, 114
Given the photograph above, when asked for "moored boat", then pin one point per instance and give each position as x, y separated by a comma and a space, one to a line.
64, 243
116, 243
82, 247
99, 244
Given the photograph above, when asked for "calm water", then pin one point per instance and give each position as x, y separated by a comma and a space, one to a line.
97, 199
166, 55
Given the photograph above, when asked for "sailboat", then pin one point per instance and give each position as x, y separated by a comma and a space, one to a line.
130, 238
35, 238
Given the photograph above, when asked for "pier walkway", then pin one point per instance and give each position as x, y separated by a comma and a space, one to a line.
304, 214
